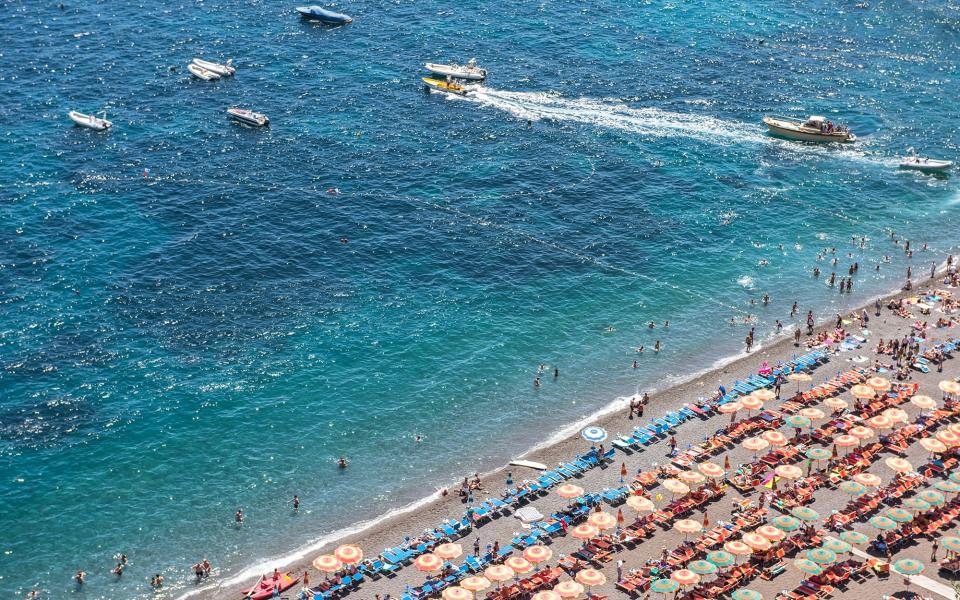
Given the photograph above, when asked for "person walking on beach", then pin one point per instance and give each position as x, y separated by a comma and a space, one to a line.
673, 445
933, 552
476, 547
796, 336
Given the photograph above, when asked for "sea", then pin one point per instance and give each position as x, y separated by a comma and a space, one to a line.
200, 317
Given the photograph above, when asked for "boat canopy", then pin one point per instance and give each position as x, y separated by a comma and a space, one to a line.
815, 121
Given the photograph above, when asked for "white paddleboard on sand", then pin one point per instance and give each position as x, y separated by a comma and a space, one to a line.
529, 464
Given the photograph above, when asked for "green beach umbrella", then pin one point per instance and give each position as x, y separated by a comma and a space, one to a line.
916, 504
798, 421
746, 595
908, 566
899, 515
818, 454
822, 556
951, 487
807, 566
702, 567
934, 497
785, 523
721, 558
805, 513
832, 543
955, 477
854, 537
853, 488
951, 543
664, 586
882, 523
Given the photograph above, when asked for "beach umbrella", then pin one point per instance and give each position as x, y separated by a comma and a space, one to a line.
880, 422
712, 470
805, 513
570, 491
755, 444
789, 472
675, 486
954, 427
808, 566
775, 438
950, 487
448, 551
640, 504
822, 556
702, 567
899, 515
863, 392
746, 595
738, 548
951, 388
835, 545
861, 433
880, 384
591, 577
349, 554
327, 563
854, 537
538, 553
685, 577
602, 521
814, 414
594, 434
917, 504
721, 558
476, 583
518, 564
568, 589
845, 441
798, 378
901, 465
689, 477
923, 402
456, 593
955, 476
882, 523
817, 454
756, 541
853, 488
868, 479
428, 563
896, 415
933, 445
764, 394
546, 595
948, 437
935, 498
499, 573
771, 533
687, 526
664, 586
584, 531
951, 543
798, 421
729, 408
785, 523
836, 403
908, 566
751, 403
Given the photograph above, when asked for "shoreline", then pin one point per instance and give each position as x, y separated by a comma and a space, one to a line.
388, 529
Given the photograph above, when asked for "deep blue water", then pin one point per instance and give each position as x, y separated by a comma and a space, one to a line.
177, 346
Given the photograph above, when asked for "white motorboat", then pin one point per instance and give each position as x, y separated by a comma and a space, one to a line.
814, 129
469, 71
248, 117
224, 70
89, 121
202, 73
927, 165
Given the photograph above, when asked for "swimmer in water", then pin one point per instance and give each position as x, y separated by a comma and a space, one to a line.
342, 462
238, 517
657, 346
650, 325
296, 503
418, 438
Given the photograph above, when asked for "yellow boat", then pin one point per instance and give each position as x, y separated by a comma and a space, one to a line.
442, 86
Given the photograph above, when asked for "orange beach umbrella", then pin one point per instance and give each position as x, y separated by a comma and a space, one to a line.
349, 554
499, 573
475, 584
456, 593
602, 521
568, 589
862, 391
591, 577
327, 563
428, 563
640, 504
569, 491
712, 470
584, 531
518, 564
923, 402
448, 551
538, 553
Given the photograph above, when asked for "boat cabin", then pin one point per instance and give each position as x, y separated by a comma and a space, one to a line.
815, 122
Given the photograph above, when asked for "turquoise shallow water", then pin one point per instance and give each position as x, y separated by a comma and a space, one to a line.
175, 347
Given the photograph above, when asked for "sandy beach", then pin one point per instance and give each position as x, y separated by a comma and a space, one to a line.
887, 326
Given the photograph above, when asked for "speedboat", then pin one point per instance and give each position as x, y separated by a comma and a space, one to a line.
814, 129
927, 165
468, 71
200, 72
321, 14
224, 70
445, 86
248, 117
89, 121
265, 586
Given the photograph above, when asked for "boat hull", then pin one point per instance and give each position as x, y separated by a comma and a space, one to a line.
264, 588
443, 86
321, 14
201, 73
790, 131
89, 121
446, 70
930, 166
248, 117
216, 68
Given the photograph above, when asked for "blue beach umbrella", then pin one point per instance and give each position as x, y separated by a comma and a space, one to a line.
594, 434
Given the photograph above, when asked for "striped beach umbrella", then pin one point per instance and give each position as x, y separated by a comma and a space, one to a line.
882, 523
756, 541
923, 402
808, 566
881, 384
775, 438
594, 434
746, 595
933, 445
675, 486
584, 531
518, 565
771, 533
854, 537
476, 583
448, 551
685, 577
901, 465
917, 504
788, 472
899, 515
755, 444
836, 403
798, 421
499, 573
853, 488
814, 414
349, 554
861, 433
738, 548
805, 513
602, 520
955, 477
546, 595
954, 427
934, 497
570, 491
822, 556
845, 441
950, 388
688, 526
702, 567
568, 589
868, 479
880, 422
785, 523
591, 577
948, 437
836, 545
641, 504
691, 477
721, 558
908, 566
950, 487
428, 563
456, 593
764, 394
327, 563
729, 408
664, 586
538, 554
864, 392
817, 454
712, 470
751, 403
897, 415
951, 543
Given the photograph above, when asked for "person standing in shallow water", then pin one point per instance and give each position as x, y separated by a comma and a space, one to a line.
296, 503
238, 517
